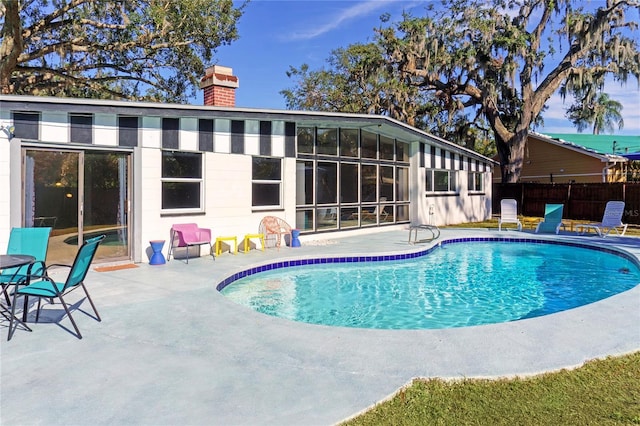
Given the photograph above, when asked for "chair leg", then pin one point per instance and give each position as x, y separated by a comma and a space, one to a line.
91, 302
171, 247
6, 294
66, 309
38, 310
13, 320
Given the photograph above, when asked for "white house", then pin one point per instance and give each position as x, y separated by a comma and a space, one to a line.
132, 169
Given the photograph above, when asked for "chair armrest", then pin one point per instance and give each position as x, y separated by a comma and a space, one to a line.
56, 264
204, 234
37, 269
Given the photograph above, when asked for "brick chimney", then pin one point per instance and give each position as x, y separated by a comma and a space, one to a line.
219, 86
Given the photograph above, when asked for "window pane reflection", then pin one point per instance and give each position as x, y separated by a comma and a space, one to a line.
304, 183
327, 141
369, 182
327, 182
349, 142
369, 145
348, 183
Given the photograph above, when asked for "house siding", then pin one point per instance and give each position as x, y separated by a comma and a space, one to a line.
546, 162
235, 137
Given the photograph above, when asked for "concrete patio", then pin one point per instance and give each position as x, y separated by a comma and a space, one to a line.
172, 350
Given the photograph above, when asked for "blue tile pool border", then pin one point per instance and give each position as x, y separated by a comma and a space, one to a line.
403, 256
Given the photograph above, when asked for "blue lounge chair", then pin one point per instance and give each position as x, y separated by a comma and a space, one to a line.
29, 241
552, 219
45, 287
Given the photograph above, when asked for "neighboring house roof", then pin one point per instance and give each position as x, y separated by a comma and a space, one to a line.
603, 144
573, 144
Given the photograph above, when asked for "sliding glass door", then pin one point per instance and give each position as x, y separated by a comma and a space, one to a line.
80, 194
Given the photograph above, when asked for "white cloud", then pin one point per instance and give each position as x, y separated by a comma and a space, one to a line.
356, 11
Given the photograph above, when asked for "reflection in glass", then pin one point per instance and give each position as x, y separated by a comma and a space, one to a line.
327, 218
53, 194
304, 183
305, 140
386, 148
369, 145
304, 220
327, 182
386, 182
402, 184
369, 182
349, 142
327, 141
349, 217
348, 183
402, 152
440, 180
403, 212
386, 213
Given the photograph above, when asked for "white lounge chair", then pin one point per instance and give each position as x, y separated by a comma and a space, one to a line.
509, 213
611, 221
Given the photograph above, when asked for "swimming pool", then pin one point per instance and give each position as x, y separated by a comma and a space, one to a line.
455, 284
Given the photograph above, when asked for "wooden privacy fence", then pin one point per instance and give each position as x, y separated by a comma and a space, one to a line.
582, 201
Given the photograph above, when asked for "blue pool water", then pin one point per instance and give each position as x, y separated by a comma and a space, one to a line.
454, 285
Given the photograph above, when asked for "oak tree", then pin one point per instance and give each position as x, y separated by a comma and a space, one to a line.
116, 49
489, 63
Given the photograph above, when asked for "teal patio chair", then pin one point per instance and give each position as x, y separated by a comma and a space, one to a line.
552, 219
45, 287
30, 241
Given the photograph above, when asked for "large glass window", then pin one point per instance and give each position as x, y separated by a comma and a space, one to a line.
475, 182
364, 183
349, 142
402, 184
349, 183
386, 183
441, 181
369, 182
304, 179
327, 141
266, 182
306, 140
369, 145
182, 182
386, 148
402, 152
327, 182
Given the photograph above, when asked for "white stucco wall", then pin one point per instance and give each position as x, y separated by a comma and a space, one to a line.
227, 194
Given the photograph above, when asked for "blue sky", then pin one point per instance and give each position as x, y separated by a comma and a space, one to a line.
277, 34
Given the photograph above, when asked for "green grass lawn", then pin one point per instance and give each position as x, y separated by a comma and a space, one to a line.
601, 392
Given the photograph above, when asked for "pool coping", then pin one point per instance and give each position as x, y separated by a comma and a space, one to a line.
172, 349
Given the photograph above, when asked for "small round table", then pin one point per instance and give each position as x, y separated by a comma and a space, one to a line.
157, 258
13, 261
